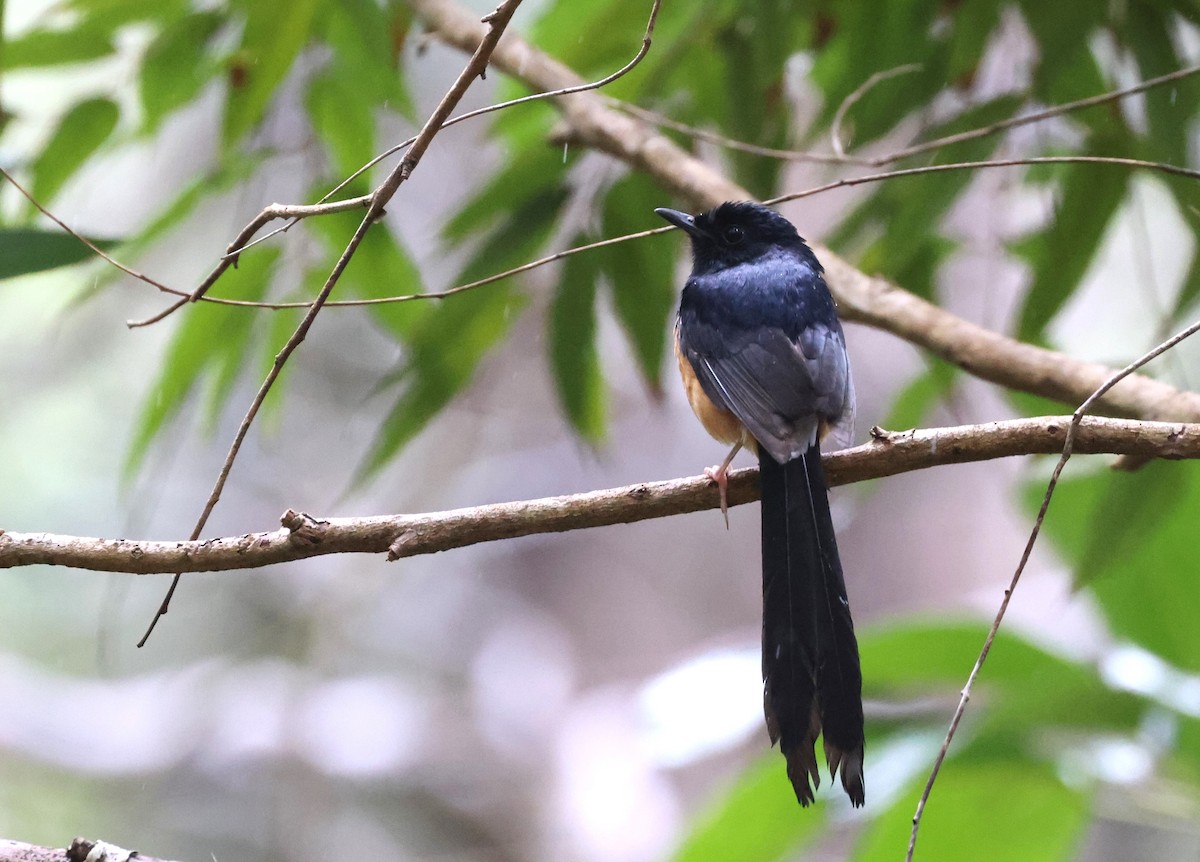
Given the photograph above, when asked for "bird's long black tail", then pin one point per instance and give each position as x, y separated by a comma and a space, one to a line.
811, 676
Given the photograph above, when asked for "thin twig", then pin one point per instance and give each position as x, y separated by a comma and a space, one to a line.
497, 22
1038, 116
303, 536
836, 184
95, 249
835, 127
269, 214
294, 213
1068, 446
662, 121
847, 182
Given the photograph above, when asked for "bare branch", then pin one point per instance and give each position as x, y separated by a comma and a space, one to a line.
302, 536
835, 131
81, 850
95, 249
497, 21
661, 121
1068, 447
294, 213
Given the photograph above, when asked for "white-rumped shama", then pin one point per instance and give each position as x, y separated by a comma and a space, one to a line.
764, 363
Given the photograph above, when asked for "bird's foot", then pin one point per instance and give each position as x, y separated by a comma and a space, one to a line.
720, 475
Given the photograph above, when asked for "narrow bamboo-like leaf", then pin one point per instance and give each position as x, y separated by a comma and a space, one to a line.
855, 51
1024, 687
640, 274
344, 121
176, 66
81, 132
1060, 254
444, 355
274, 33
361, 34
914, 402
1146, 590
41, 48
757, 821
25, 250
528, 174
380, 268
108, 15
1066, 68
1170, 110
447, 344
574, 359
210, 340
974, 812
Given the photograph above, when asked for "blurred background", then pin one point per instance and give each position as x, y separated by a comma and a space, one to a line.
595, 695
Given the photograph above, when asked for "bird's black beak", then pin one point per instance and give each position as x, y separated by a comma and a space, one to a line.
683, 221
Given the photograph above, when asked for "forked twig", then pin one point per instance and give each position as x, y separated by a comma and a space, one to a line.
1067, 449
835, 127
294, 213
497, 21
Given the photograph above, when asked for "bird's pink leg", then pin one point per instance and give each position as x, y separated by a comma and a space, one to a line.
720, 475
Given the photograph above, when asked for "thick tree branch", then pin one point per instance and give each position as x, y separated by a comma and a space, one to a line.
861, 298
302, 536
81, 850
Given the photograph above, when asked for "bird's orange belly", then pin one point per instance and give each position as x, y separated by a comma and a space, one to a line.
717, 421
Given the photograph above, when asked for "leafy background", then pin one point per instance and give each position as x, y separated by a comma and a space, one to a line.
590, 696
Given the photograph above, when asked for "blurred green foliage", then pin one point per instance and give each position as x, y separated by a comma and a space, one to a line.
734, 68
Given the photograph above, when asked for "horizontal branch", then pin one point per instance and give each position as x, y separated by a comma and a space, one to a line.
81, 850
303, 536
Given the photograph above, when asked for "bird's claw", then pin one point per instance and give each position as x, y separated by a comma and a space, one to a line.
720, 475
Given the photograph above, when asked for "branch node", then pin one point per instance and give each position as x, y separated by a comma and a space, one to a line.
303, 528
639, 492
397, 548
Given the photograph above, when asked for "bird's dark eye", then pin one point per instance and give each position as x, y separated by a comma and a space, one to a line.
733, 235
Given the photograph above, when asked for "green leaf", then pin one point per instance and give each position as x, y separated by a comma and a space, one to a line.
1170, 110
999, 809
381, 267
856, 51
1147, 589
177, 65
1061, 254
26, 250
343, 120
574, 360
448, 343
640, 274
900, 224
529, 173
444, 353
42, 48
360, 33
971, 25
1065, 68
1031, 687
108, 15
210, 341
758, 821
921, 395
81, 132
274, 33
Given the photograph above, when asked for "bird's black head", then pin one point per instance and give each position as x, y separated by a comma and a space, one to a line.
736, 232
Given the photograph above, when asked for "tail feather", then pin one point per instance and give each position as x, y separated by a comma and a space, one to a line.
811, 677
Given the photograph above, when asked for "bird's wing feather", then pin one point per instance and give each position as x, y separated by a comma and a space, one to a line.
781, 389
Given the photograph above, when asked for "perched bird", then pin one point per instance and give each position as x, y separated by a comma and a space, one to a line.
764, 363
